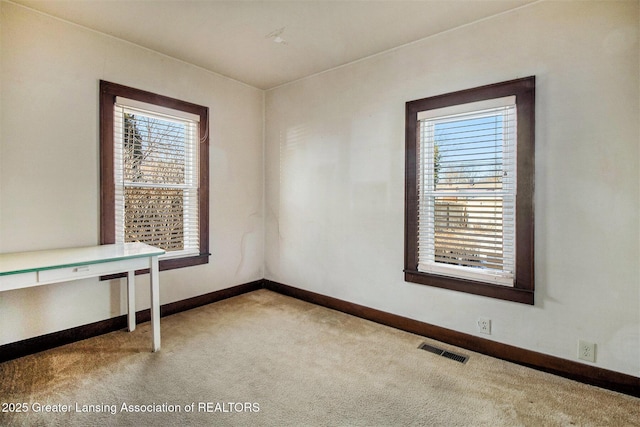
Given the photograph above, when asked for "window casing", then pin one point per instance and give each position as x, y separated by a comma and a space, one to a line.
469, 190
154, 173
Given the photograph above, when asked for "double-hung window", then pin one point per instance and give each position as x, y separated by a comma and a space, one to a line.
154, 173
469, 187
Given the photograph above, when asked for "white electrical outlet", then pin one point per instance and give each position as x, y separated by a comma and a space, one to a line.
586, 351
484, 325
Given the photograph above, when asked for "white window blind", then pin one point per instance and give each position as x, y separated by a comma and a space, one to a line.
156, 177
467, 190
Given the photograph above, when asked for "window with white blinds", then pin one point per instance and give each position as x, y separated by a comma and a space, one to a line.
467, 191
156, 176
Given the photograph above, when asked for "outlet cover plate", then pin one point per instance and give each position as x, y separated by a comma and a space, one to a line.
586, 351
484, 325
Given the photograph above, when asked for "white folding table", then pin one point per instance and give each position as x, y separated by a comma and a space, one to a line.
26, 269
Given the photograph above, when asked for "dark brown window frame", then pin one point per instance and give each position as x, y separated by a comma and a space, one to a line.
523, 289
108, 93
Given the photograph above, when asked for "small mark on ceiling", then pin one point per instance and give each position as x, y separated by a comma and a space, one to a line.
276, 35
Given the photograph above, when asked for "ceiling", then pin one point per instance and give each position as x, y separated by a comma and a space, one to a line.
269, 43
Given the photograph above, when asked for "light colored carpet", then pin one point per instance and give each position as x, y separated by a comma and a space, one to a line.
296, 364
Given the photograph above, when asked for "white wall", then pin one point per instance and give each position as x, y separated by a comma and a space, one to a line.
335, 177
335, 173
49, 166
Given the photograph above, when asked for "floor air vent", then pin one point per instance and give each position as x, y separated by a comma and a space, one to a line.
444, 353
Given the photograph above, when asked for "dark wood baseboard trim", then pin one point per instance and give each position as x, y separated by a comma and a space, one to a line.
40, 343
200, 300
604, 378
56, 339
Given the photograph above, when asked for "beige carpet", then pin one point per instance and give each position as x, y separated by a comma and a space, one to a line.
266, 359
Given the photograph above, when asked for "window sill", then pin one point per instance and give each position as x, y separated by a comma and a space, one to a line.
506, 293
